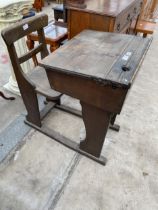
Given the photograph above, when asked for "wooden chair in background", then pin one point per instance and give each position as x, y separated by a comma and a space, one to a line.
149, 12
38, 4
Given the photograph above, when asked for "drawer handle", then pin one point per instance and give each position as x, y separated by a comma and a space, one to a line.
128, 17
118, 27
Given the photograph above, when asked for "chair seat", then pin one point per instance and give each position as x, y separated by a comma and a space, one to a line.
38, 77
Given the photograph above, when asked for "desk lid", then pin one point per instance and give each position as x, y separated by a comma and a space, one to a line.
108, 58
105, 7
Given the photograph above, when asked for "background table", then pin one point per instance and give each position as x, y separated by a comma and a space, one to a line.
105, 15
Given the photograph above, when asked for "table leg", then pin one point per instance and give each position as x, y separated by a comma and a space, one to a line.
53, 47
96, 124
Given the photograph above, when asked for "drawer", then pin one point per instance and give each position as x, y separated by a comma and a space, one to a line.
125, 18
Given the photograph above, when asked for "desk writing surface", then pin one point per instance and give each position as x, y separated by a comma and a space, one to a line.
100, 56
104, 7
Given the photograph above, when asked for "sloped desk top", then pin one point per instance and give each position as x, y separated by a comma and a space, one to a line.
101, 56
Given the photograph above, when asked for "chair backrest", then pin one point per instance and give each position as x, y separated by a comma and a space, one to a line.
20, 30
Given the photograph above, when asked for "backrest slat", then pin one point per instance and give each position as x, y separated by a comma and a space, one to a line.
31, 53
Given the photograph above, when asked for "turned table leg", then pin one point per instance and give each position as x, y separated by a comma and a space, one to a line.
96, 124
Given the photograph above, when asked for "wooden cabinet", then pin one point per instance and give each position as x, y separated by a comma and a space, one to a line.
102, 15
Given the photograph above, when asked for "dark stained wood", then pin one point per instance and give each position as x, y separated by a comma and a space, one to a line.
75, 85
96, 123
97, 68
105, 15
66, 142
39, 78
37, 81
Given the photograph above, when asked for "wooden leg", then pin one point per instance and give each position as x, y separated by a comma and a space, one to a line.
95, 132
31, 104
96, 124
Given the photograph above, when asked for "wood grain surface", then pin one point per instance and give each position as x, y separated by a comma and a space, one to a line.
100, 56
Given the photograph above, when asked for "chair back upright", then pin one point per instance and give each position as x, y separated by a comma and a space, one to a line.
18, 31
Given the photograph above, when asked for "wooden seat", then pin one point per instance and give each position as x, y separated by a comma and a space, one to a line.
36, 81
145, 27
55, 34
